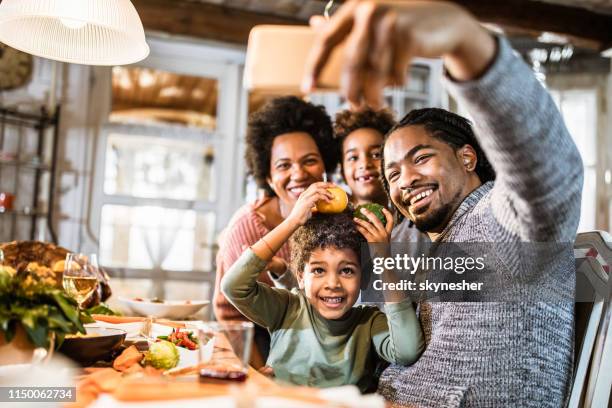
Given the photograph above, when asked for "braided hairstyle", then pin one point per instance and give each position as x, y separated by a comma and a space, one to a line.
450, 128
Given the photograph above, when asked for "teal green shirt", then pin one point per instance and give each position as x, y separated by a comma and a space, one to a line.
307, 349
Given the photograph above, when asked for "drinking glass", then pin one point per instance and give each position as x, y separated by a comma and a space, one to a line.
80, 276
225, 349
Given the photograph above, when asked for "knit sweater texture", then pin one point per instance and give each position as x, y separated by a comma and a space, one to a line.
518, 353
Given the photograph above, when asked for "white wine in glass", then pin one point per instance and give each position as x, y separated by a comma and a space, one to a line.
80, 278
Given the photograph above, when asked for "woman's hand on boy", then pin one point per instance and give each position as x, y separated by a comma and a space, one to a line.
373, 230
302, 210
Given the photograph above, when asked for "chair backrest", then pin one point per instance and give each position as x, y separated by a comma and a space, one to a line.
602, 383
593, 346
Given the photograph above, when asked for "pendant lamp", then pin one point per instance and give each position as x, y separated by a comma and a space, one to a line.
91, 32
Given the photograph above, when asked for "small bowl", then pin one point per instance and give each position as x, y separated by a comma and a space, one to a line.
169, 309
88, 350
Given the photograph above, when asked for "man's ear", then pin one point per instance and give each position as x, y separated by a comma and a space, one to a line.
468, 157
300, 279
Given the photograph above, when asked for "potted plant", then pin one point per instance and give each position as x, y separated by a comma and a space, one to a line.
33, 313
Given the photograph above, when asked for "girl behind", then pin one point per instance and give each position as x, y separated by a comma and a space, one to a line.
360, 137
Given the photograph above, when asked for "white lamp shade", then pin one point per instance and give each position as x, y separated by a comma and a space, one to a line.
92, 32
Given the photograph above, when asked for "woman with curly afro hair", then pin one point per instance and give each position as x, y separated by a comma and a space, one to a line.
289, 146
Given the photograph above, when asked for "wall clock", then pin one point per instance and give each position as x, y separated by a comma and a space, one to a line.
15, 68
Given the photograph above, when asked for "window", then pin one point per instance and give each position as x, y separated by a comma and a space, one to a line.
168, 144
157, 167
422, 89
156, 237
579, 110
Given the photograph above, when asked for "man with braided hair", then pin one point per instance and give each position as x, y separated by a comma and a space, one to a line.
460, 161
501, 353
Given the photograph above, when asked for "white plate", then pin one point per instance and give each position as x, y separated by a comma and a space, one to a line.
12, 370
58, 372
169, 309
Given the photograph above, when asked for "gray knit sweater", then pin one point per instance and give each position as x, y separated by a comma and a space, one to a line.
519, 353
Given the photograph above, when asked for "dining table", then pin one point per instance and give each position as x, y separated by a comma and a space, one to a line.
101, 385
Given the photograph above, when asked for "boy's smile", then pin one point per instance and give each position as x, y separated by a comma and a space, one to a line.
331, 281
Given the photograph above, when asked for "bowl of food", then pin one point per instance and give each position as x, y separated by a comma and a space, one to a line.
99, 343
169, 309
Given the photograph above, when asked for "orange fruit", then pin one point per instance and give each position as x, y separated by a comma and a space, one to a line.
337, 205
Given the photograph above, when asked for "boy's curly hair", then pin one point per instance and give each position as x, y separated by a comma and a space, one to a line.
324, 231
348, 121
284, 115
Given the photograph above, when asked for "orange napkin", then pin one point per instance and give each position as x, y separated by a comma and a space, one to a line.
128, 358
89, 387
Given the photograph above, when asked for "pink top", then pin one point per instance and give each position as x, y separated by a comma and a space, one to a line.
245, 228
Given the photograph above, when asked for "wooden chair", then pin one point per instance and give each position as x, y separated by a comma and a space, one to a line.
593, 331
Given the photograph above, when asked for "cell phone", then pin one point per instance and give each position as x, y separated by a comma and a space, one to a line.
276, 58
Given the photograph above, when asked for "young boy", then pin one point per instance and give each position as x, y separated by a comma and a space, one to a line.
360, 138
318, 337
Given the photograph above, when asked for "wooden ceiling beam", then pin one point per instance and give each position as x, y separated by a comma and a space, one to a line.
231, 24
592, 28
202, 20
589, 28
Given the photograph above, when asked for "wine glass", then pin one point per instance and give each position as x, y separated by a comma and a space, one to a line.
80, 276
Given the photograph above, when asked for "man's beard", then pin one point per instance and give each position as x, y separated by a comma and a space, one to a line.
437, 219
434, 219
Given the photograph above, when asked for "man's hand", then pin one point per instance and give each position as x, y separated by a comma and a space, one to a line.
382, 37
